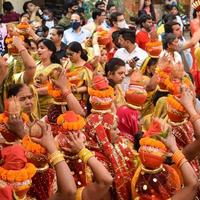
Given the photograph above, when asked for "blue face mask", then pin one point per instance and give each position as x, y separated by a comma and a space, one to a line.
75, 25
45, 17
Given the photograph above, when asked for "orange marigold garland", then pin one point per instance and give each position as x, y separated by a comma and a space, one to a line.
175, 104
18, 175
153, 143
54, 92
31, 146
101, 93
71, 121
4, 118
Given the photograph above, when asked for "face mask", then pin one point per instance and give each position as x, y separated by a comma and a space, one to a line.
75, 25
122, 24
45, 17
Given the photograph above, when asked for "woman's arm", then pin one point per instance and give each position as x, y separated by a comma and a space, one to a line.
42, 91
187, 99
3, 69
65, 180
103, 179
31, 32
189, 177
29, 62
141, 4
71, 100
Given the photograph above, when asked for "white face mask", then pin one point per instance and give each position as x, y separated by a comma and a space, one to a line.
122, 24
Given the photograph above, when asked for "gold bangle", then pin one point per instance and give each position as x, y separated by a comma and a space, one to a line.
183, 162
55, 154
57, 160
85, 155
56, 157
178, 157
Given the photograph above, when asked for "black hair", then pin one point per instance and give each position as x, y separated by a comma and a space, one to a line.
51, 46
128, 34
143, 18
168, 39
80, 15
113, 17
49, 9
110, 5
115, 37
169, 26
70, 4
24, 13
25, 6
14, 89
194, 14
151, 62
97, 12
113, 65
76, 47
168, 18
170, 7
152, 10
59, 30
137, 137
98, 3
7, 6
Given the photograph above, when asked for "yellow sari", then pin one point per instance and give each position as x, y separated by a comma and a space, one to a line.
80, 76
44, 101
119, 99
160, 111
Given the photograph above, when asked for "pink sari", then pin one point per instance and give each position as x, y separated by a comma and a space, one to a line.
127, 121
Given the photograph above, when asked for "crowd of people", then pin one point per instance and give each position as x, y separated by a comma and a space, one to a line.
96, 107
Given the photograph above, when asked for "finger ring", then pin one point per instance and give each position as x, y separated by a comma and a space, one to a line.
14, 116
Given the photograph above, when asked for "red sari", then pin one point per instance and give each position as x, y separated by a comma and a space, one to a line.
184, 135
119, 153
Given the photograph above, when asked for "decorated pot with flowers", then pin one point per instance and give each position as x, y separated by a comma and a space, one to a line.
12, 110
101, 94
22, 28
73, 77
16, 171
175, 111
136, 94
35, 153
103, 37
153, 173
154, 46
152, 153
11, 47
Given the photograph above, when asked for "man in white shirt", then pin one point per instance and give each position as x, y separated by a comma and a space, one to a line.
76, 32
130, 53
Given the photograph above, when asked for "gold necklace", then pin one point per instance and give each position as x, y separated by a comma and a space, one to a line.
153, 171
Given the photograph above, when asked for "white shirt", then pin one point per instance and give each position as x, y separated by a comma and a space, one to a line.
50, 24
177, 57
123, 54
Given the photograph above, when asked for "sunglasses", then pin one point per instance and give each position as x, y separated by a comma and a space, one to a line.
70, 53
